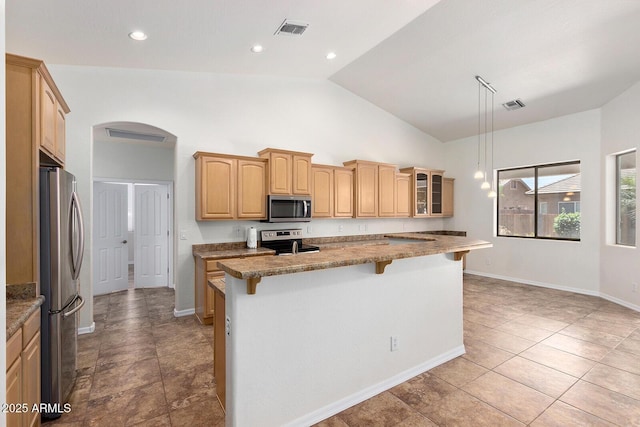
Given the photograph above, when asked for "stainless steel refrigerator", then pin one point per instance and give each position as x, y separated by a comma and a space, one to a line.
61, 252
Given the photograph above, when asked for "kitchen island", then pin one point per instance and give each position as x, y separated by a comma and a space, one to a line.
324, 331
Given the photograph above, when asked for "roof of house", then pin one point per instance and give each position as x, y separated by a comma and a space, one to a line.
565, 184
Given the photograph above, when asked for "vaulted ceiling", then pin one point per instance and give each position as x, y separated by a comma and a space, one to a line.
413, 58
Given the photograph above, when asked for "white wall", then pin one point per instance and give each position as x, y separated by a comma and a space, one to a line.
565, 265
327, 345
620, 266
133, 162
240, 115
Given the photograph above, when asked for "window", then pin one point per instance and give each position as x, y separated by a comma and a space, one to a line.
546, 205
626, 199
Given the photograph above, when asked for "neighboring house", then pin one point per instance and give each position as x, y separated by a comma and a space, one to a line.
556, 194
560, 195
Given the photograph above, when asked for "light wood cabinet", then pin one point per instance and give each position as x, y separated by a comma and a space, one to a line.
204, 299
35, 135
322, 185
387, 191
14, 379
289, 172
23, 373
252, 189
447, 197
380, 191
343, 192
332, 191
204, 296
366, 187
403, 195
229, 187
430, 195
219, 347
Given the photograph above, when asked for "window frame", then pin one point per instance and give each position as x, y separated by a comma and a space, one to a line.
617, 157
536, 202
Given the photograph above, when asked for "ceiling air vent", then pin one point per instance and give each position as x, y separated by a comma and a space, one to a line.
291, 28
516, 104
127, 134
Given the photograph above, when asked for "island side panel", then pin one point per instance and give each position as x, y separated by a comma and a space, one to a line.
310, 344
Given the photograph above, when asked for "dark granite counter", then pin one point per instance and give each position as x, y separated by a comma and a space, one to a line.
345, 255
22, 302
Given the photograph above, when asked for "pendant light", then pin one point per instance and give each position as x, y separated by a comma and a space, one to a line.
484, 133
479, 174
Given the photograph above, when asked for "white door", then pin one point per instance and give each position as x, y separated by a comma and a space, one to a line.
110, 269
151, 235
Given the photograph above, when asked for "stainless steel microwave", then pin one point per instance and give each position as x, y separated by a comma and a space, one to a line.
288, 208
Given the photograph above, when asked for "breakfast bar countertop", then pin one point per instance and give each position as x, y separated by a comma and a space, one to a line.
418, 244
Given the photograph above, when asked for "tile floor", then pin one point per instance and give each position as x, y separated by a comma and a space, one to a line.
535, 356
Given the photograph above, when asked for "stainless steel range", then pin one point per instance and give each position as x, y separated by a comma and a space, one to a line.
286, 242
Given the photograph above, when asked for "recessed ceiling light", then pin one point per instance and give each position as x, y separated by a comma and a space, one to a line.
137, 35
331, 55
257, 48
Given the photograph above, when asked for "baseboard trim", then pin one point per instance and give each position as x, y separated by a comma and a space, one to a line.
621, 302
535, 283
87, 330
183, 313
342, 404
560, 288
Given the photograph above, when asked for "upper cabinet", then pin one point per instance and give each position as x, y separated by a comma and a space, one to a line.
289, 172
365, 188
386, 190
35, 135
447, 196
332, 191
431, 193
230, 187
436, 193
380, 191
48, 106
403, 195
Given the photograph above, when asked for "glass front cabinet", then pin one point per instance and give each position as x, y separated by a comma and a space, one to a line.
428, 198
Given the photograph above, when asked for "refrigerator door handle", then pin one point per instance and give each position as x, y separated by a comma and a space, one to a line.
76, 308
76, 230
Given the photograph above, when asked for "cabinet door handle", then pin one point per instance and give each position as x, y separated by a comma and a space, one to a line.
124, 242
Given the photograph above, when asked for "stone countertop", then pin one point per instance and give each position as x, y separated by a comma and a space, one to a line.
214, 253
256, 268
216, 283
22, 302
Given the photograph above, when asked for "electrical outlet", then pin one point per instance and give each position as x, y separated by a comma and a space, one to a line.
236, 230
362, 227
634, 287
394, 343
309, 229
340, 228
227, 325
183, 234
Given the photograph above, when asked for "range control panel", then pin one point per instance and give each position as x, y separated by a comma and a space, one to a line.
270, 235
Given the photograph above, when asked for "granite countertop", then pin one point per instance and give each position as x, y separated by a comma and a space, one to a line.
344, 255
22, 302
217, 284
208, 252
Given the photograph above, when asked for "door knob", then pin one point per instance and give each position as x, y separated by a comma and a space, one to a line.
124, 242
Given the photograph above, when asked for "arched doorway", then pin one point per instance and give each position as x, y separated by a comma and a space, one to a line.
133, 176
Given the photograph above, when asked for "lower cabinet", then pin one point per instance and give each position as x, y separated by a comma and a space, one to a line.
219, 346
207, 269
23, 374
